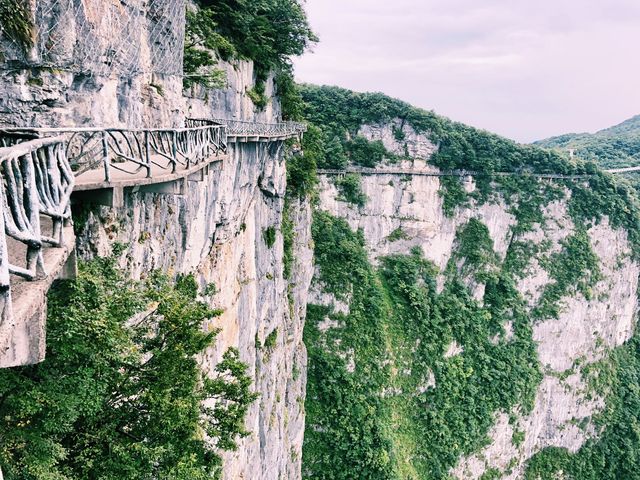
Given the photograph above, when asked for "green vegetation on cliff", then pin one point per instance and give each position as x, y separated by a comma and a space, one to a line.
350, 189
16, 23
383, 399
268, 32
340, 113
407, 380
121, 394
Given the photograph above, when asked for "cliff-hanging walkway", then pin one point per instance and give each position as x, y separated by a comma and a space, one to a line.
42, 167
462, 173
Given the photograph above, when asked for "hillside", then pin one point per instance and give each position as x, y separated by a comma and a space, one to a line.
465, 327
613, 147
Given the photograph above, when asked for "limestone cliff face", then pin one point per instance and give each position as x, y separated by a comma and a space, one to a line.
96, 63
585, 331
215, 228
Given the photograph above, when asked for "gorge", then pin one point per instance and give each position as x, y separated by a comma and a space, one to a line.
381, 293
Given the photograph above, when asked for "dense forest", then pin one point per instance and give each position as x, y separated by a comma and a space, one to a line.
369, 404
614, 147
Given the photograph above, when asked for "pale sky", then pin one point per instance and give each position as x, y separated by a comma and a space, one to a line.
526, 69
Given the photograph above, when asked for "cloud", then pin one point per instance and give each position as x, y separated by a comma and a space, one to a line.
524, 69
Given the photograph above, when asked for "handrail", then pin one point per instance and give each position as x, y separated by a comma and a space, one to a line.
141, 151
39, 167
254, 129
623, 170
102, 129
448, 173
134, 150
38, 180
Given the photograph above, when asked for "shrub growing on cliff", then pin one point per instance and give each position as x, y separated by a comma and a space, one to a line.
302, 169
258, 95
366, 153
265, 31
16, 23
269, 236
334, 154
120, 398
201, 40
351, 190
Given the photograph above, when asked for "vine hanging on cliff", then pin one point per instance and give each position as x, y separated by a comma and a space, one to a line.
16, 22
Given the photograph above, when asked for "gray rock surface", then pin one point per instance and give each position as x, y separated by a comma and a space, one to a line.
214, 230
585, 331
217, 231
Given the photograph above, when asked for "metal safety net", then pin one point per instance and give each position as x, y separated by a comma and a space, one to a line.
107, 37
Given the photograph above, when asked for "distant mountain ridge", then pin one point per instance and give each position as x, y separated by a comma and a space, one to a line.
617, 146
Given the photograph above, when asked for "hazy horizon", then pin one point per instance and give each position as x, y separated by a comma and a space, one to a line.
523, 70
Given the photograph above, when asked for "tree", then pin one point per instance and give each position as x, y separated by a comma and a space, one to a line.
201, 40
121, 394
334, 154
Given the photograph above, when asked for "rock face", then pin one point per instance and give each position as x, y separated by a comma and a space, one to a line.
232, 102
96, 63
585, 331
216, 229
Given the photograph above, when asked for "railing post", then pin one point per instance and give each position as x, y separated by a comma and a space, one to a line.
6, 310
105, 158
4, 254
174, 151
188, 147
147, 152
35, 261
51, 172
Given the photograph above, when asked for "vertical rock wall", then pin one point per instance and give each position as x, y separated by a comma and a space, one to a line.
217, 230
585, 332
96, 63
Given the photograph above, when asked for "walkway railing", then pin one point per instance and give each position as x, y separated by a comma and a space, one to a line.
37, 181
623, 170
133, 151
39, 167
145, 152
242, 128
447, 173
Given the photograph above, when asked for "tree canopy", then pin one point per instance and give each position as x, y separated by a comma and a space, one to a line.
268, 32
120, 393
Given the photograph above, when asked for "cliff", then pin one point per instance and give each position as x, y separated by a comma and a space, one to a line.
463, 340
226, 227
218, 230
471, 302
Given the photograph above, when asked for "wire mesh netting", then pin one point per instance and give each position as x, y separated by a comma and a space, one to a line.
109, 37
